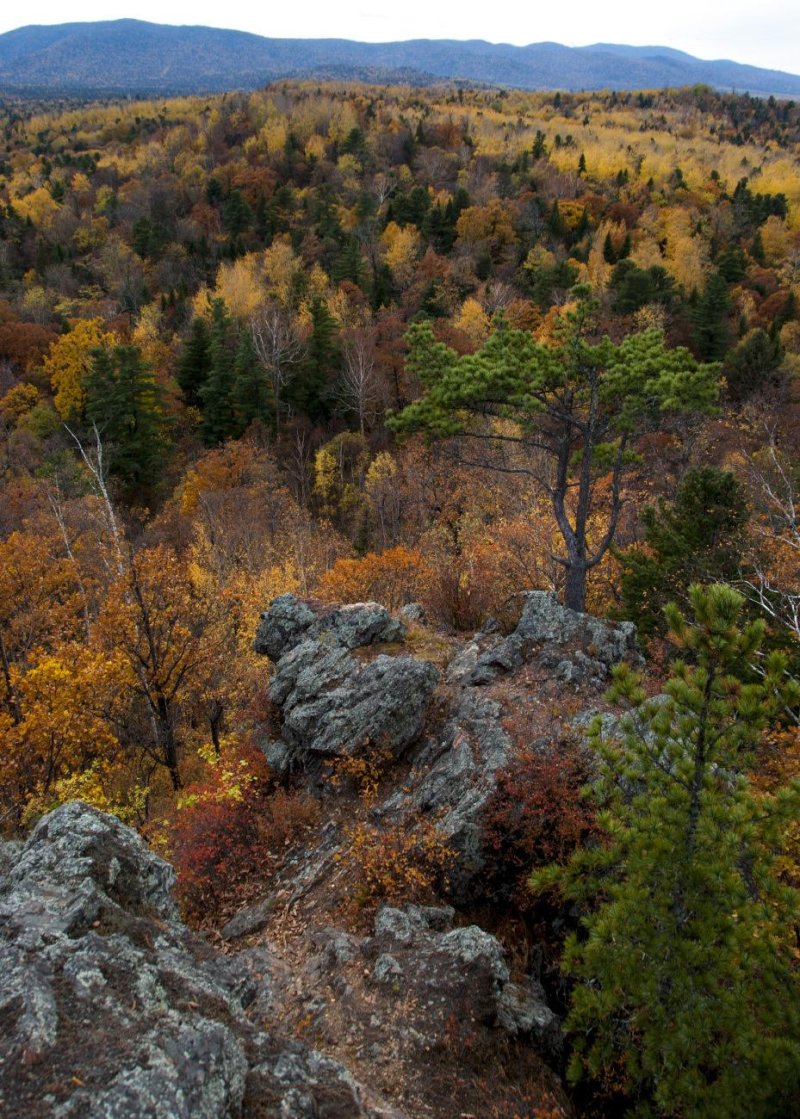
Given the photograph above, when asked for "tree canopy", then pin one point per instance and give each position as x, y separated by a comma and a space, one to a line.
566, 412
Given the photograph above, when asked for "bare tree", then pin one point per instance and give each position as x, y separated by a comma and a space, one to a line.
774, 582
358, 387
279, 347
95, 462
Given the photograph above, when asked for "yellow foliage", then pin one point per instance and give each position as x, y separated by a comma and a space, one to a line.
395, 862
18, 402
240, 284
65, 703
473, 321
403, 248
68, 363
39, 206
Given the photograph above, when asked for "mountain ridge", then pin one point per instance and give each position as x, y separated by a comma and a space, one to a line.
139, 57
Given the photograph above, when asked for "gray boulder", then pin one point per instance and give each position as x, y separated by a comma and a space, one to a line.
575, 647
111, 1009
333, 703
340, 707
288, 621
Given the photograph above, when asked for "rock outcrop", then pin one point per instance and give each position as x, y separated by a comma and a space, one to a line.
112, 1009
575, 647
400, 988
332, 703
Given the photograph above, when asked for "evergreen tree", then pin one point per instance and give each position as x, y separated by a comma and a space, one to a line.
195, 362
750, 365
575, 405
698, 538
687, 992
237, 215
252, 394
127, 405
309, 390
216, 391
711, 333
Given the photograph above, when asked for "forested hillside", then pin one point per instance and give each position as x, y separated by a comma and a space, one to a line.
129, 56
371, 343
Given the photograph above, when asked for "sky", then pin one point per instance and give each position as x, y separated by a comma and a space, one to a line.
764, 34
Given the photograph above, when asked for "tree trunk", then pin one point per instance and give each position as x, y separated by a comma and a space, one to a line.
575, 586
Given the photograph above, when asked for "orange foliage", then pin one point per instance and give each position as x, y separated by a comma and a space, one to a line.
392, 578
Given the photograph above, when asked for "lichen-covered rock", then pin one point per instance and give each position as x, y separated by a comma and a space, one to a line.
288, 621
355, 706
416, 952
453, 777
416, 980
332, 703
575, 647
112, 1010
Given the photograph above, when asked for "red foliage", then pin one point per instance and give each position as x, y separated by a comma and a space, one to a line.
24, 344
536, 816
231, 832
215, 835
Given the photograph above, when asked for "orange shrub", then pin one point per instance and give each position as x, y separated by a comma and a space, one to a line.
392, 578
395, 862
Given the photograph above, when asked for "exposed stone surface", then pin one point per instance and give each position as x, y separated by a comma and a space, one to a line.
340, 707
332, 703
452, 779
576, 647
247, 921
418, 960
111, 1009
289, 620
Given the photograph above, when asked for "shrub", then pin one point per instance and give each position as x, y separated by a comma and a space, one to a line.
230, 832
397, 863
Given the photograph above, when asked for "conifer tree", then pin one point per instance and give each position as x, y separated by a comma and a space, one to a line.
310, 389
711, 333
216, 391
687, 991
127, 405
574, 405
195, 362
252, 395
698, 537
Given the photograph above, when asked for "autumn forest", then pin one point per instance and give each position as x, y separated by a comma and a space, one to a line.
435, 346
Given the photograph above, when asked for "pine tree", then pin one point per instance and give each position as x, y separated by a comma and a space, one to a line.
252, 395
309, 390
195, 362
127, 405
575, 406
686, 990
216, 392
711, 333
751, 365
697, 538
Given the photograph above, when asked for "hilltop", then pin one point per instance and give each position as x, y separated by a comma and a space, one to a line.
131, 56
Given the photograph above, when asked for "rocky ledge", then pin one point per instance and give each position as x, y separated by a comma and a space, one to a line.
112, 1009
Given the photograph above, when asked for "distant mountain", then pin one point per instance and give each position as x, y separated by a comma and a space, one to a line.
129, 56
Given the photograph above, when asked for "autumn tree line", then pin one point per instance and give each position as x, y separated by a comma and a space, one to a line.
435, 346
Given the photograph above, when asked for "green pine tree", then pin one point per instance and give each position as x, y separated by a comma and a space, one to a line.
127, 405
252, 393
687, 992
216, 392
195, 362
309, 390
711, 332
697, 538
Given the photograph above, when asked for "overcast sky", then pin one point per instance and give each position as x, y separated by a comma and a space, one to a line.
763, 34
